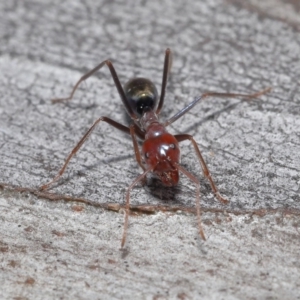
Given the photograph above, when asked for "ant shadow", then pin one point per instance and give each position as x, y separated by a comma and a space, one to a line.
211, 116
179, 195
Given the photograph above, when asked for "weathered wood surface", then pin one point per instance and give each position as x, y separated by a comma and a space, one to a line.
60, 249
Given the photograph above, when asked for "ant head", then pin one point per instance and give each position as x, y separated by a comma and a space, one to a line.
162, 153
141, 94
169, 178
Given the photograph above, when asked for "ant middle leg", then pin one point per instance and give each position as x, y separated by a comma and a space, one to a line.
183, 137
80, 143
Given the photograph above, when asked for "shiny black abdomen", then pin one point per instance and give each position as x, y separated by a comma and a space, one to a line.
141, 94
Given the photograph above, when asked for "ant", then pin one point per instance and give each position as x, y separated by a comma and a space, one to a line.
160, 150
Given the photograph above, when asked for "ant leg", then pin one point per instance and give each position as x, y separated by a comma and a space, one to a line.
183, 137
81, 142
212, 94
139, 178
167, 68
136, 147
117, 84
196, 181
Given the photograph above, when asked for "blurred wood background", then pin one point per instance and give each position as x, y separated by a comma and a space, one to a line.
71, 250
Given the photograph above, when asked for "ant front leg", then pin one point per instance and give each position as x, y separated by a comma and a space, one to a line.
196, 181
183, 137
139, 178
80, 143
136, 147
134, 130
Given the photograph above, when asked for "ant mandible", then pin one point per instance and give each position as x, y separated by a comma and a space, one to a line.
160, 150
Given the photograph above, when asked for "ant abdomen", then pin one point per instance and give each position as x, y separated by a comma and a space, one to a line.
141, 94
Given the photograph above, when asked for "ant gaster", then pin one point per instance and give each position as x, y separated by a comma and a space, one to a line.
160, 150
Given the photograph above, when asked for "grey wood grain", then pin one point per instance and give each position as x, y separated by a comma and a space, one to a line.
69, 250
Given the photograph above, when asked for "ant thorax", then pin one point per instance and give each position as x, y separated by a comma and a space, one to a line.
150, 123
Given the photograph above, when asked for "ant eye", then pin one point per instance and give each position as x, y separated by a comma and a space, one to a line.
147, 155
172, 146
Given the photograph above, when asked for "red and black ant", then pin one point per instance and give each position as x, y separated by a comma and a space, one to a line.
160, 151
